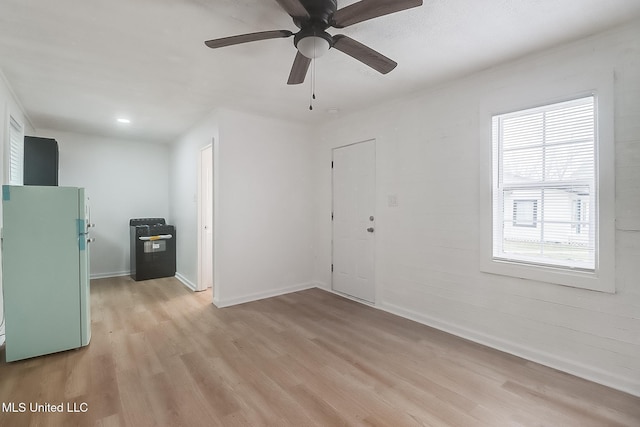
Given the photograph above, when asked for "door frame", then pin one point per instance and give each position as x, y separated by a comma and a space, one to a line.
200, 221
375, 185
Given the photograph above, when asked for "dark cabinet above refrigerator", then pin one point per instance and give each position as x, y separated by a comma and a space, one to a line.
40, 161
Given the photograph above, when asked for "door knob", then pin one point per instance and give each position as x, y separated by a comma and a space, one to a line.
370, 229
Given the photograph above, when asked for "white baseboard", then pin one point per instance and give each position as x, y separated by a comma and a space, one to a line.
323, 286
220, 303
188, 283
107, 275
590, 373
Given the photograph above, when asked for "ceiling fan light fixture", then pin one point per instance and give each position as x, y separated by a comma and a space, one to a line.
313, 46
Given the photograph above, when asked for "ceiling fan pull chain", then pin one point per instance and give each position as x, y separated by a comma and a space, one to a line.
312, 96
313, 83
313, 77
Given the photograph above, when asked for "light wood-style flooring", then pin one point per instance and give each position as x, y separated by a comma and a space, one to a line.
161, 355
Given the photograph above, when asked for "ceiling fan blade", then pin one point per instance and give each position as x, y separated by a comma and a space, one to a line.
364, 54
369, 9
294, 8
245, 38
299, 69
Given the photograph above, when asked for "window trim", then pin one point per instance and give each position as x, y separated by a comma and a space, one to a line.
535, 92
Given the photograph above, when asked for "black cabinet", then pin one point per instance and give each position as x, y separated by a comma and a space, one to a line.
153, 248
40, 161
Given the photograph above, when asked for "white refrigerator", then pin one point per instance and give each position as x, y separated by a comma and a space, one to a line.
45, 270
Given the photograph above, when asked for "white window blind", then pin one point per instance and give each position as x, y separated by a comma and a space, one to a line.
545, 202
16, 152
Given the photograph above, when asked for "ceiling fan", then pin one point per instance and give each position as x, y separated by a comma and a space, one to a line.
313, 18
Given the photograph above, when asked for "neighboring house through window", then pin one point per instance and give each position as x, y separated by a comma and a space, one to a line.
525, 213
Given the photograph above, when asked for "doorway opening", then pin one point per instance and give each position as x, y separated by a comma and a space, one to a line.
205, 219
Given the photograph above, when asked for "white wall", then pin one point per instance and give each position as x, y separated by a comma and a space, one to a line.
123, 180
427, 248
183, 190
9, 106
264, 213
262, 206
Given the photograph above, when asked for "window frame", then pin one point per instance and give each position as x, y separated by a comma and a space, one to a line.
536, 92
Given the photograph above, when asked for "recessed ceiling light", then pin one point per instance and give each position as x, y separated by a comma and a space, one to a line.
333, 110
123, 120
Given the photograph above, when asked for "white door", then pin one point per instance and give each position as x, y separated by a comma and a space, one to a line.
206, 219
354, 220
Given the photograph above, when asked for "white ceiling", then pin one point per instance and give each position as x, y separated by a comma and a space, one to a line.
77, 65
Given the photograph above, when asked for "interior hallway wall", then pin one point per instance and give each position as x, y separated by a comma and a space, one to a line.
262, 208
264, 214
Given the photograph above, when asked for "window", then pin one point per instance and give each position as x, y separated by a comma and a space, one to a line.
544, 186
525, 213
16, 152
560, 154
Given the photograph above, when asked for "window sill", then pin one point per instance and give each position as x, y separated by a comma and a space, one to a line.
595, 281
